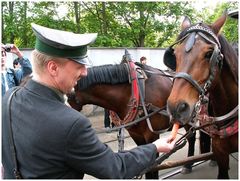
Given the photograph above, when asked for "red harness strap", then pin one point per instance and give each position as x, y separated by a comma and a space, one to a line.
133, 102
213, 129
229, 131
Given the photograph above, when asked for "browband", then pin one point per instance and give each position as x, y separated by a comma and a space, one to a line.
199, 27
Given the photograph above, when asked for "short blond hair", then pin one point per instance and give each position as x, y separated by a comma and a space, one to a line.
39, 61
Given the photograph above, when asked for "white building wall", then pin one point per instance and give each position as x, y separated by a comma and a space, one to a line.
101, 56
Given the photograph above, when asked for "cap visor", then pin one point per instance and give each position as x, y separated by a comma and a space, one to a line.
84, 61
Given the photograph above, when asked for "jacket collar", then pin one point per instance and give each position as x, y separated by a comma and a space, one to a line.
44, 91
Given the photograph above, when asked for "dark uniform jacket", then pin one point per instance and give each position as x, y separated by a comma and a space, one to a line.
55, 141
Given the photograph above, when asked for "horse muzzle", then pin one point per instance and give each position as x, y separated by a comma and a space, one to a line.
179, 112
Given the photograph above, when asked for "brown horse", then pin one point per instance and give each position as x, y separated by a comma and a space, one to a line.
108, 86
205, 86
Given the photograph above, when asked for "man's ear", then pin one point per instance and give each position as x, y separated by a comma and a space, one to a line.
52, 67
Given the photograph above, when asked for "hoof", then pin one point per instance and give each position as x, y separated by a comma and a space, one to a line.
186, 170
212, 163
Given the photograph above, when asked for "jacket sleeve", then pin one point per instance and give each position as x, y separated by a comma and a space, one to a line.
26, 69
86, 153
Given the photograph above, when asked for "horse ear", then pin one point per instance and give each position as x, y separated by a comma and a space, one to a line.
217, 25
186, 23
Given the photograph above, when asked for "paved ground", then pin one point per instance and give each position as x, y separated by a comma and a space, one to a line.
201, 171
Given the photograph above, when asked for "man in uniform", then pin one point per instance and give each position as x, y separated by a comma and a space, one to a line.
52, 140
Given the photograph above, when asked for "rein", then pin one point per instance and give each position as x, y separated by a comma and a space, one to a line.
180, 143
156, 110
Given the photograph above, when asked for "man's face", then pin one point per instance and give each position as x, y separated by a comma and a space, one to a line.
3, 59
144, 61
69, 73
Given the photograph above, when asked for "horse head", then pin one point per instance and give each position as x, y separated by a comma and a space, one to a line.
74, 100
197, 59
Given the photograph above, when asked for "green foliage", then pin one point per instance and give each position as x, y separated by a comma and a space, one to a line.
118, 24
230, 29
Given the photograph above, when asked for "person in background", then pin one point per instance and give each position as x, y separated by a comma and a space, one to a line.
143, 60
16, 64
11, 77
107, 121
51, 139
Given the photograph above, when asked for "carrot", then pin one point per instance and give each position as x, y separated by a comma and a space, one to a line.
174, 130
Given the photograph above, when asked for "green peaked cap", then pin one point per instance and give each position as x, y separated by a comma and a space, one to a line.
63, 44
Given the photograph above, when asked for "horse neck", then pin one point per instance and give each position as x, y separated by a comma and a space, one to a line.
224, 96
112, 97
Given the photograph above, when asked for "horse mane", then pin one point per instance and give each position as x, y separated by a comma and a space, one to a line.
230, 56
105, 74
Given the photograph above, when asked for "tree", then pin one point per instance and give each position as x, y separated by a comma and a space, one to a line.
118, 24
230, 29
77, 14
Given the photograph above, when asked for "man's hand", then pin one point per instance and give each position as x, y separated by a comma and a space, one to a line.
164, 145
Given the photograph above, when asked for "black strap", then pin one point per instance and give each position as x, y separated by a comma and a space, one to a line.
16, 171
188, 77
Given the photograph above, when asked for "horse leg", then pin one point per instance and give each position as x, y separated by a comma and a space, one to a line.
205, 142
187, 168
205, 146
222, 157
223, 166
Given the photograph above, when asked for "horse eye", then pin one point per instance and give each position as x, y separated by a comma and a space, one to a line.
208, 55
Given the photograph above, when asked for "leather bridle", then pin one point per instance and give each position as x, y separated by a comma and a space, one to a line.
215, 62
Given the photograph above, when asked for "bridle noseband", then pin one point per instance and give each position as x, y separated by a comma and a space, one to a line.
216, 61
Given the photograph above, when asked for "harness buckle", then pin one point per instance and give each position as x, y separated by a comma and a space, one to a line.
198, 107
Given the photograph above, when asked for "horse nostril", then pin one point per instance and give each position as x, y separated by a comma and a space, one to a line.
182, 107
